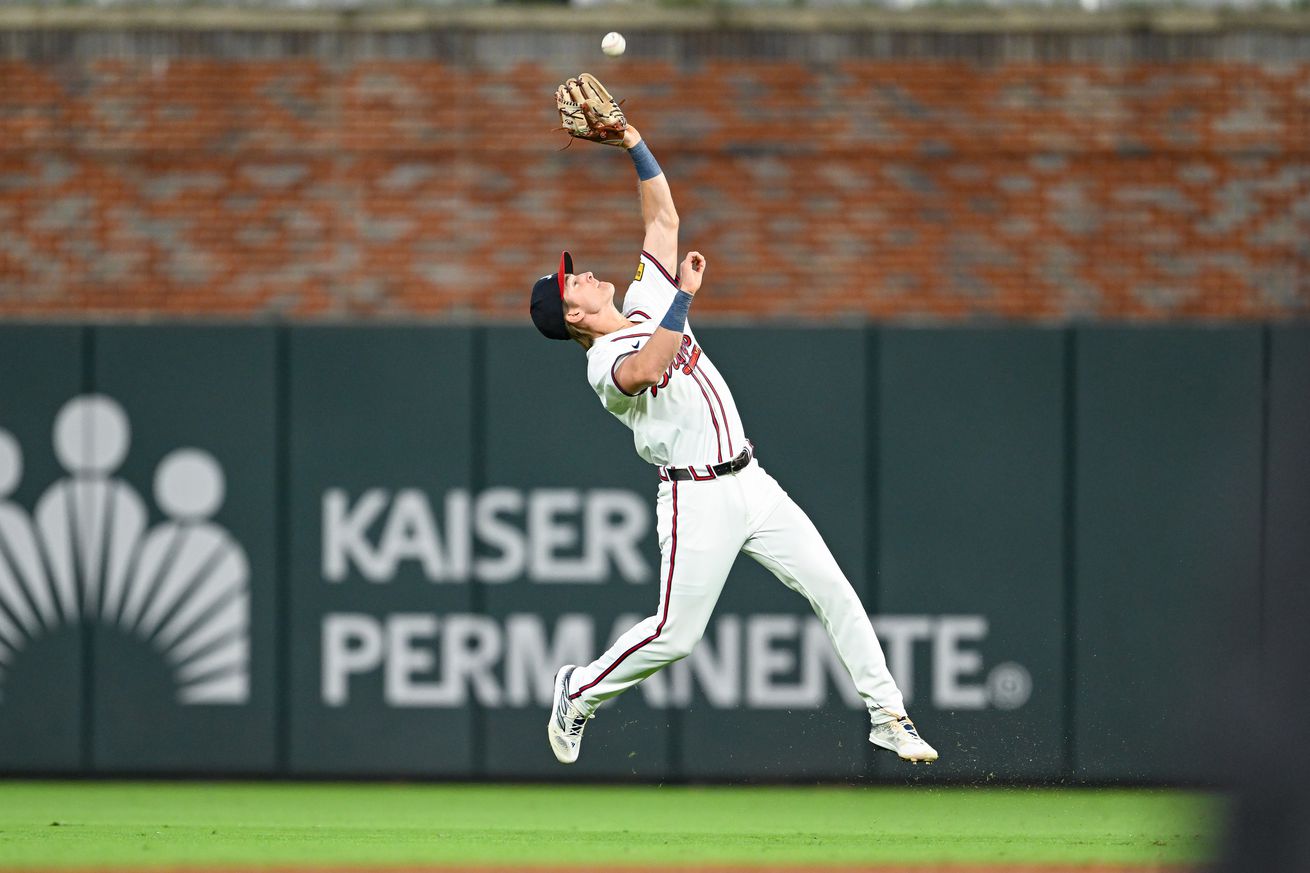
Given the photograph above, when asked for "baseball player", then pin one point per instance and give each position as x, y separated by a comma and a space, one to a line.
715, 500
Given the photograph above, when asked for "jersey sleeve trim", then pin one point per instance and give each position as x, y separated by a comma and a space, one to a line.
632, 312
614, 375
660, 267
629, 336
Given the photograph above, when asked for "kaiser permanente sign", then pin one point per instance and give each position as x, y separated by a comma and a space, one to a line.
562, 536
331, 550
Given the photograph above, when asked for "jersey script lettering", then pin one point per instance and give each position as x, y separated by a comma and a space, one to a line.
684, 362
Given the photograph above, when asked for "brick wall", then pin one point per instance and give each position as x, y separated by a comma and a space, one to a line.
147, 173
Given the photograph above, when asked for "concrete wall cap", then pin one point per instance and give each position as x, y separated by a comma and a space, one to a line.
635, 18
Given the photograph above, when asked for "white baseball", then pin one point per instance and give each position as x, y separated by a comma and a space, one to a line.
613, 44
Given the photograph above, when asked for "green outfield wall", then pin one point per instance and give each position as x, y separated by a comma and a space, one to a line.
358, 552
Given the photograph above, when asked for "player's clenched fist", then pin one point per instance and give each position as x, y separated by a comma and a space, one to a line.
691, 271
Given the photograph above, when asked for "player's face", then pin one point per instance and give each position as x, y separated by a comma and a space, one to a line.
584, 292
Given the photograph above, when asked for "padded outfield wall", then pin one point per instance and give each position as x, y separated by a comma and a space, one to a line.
355, 552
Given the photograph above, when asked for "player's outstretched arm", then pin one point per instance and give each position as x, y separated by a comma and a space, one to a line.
588, 111
657, 211
641, 370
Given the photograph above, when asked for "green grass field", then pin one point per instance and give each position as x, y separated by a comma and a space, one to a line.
132, 825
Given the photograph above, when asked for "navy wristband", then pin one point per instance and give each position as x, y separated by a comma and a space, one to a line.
676, 318
647, 166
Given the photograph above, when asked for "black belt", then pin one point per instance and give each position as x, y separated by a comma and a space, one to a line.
708, 471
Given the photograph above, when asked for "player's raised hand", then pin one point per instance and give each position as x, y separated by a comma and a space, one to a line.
691, 271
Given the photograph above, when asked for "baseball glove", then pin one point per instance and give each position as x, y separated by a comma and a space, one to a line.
587, 111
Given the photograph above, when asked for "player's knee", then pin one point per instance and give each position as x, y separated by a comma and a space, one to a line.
682, 640
680, 649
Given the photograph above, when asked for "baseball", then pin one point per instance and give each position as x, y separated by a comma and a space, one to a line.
613, 44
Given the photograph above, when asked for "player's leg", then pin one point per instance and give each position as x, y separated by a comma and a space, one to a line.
789, 545
701, 528
785, 540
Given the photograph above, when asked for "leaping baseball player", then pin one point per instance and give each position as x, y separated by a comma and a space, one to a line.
715, 500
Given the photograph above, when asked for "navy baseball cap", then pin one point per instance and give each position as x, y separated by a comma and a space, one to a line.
548, 301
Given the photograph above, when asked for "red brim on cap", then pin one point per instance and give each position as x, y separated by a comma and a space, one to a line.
565, 267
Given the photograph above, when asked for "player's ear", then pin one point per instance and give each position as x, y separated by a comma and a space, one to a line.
572, 314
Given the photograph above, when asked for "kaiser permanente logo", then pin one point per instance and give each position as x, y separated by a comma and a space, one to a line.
87, 554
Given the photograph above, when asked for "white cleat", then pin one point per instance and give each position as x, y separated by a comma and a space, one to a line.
566, 721
901, 737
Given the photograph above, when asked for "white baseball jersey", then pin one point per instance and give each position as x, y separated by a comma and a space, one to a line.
686, 419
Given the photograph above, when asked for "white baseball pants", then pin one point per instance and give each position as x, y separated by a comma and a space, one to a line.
701, 527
